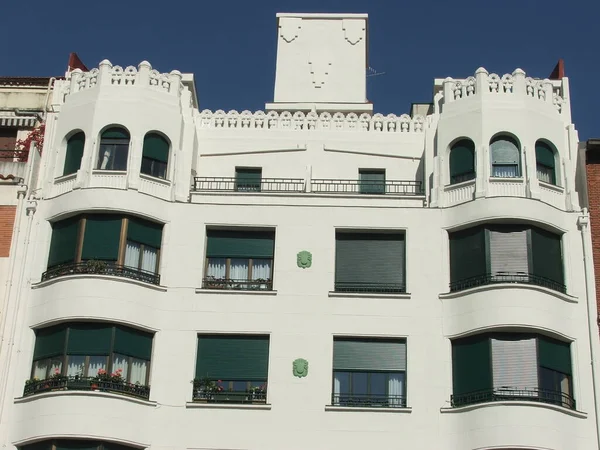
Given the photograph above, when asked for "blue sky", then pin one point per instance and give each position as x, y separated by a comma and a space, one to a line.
230, 46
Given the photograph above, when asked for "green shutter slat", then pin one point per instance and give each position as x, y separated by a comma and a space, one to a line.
156, 147
64, 241
369, 258
554, 354
547, 255
471, 365
67, 444
101, 237
74, 153
372, 182
115, 133
89, 339
369, 355
144, 232
49, 342
505, 150
111, 446
131, 342
467, 254
462, 158
46, 445
544, 154
233, 357
240, 244
248, 179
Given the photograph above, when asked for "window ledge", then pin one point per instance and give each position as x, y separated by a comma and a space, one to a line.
552, 187
162, 181
263, 407
504, 179
368, 295
366, 409
108, 172
459, 185
495, 286
234, 292
97, 277
70, 176
570, 412
127, 398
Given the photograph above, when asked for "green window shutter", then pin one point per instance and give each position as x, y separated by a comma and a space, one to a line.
505, 150
233, 357
369, 258
156, 147
554, 354
101, 238
46, 445
467, 254
462, 158
131, 342
89, 339
544, 154
115, 133
144, 232
547, 255
111, 446
369, 355
49, 342
240, 244
372, 181
64, 241
471, 365
248, 179
76, 445
74, 153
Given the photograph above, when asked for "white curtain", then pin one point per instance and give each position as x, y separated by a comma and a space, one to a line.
121, 362
132, 254
337, 386
396, 389
139, 369
261, 269
76, 365
216, 268
40, 369
106, 156
238, 269
96, 363
505, 171
55, 364
544, 174
149, 257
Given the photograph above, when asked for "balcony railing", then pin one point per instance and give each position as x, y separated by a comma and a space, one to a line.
507, 277
369, 400
357, 286
101, 268
226, 396
394, 187
235, 185
514, 394
14, 155
237, 284
64, 383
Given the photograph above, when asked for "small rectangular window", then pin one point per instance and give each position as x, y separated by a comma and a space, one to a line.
372, 181
8, 140
113, 154
248, 179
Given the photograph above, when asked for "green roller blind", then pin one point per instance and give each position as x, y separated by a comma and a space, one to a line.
76, 445
369, 354
467, 254
248, 179
111, 446
471, 364
372, 181
462, 158
233, 357
74, 153
115, 133
131, 342
46, 445
554, 354
240, 244
544, 154
369, 258
89, 339
505, 150
49, 342
101, 238
144, 232
156, 147
64, 241
547, 255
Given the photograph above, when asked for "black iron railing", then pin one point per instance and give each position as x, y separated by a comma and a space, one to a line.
394, 187
514, 394
101, 268
237, 185
369, 400
358, 286
11, 155
64, 383
226, 396
507, 277
237, 284
461, 178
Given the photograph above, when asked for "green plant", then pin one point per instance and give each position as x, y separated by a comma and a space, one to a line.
208, 386
95, 266
115, 377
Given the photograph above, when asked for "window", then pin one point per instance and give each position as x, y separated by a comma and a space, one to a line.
114, 149
239, 259
74, 153
248, 179
369, 372
462, 161
91, 243
511, 366
72, 444
371, 181
545, 166
505, 254
8, 138
155, 156
506, 157
85, 352
369, 262
232, 368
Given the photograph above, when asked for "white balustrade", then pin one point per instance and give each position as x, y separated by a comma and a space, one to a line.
553, 195
456, 194
63, 185
155, 187
506, 187
108, 179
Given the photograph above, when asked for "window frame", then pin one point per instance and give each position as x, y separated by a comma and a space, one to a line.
517, 165
69, 150
121, 144
154, 163
464, 176
140, 259
241, 170
552, 172
373, 187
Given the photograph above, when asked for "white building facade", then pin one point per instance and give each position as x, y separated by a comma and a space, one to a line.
309, 276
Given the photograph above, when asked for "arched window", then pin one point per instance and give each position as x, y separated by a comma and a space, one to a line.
74, 153
155, 155
545, 162
462, 161
506, 157
114, 147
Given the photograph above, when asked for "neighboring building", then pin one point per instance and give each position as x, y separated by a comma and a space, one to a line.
309, 276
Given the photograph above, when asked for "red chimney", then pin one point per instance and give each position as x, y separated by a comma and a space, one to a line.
559, 71
76, 63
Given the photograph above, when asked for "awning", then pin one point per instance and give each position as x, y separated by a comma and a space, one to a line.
18, 121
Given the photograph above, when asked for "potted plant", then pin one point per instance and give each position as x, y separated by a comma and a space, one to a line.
205, 389
258, 393
95, 266
110, 381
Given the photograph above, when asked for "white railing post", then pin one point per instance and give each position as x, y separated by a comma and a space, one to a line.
143, 75
175, 82
519, 82
104, 73
481, 82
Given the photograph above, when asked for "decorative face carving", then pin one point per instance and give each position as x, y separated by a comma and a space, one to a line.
304, 259
300, 368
